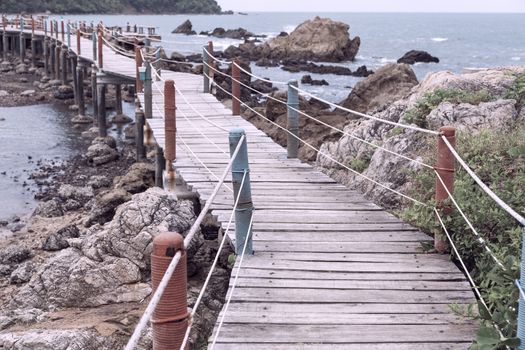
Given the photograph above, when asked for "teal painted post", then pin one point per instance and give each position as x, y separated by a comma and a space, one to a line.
292, 120
148, 92
159, 64
69, 35
94, 39
206, 70
521, 307
244, 210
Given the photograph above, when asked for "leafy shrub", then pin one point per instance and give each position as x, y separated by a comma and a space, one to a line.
360, 164
517, 90
499, 160
418, 114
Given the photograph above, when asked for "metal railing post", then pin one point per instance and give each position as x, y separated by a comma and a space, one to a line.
138, 63
69, 35
170, 129
22, 40
94, 92
445, 167
205, 70
94, 39
101, 100
521, 307
292, 104
79, 50
236, 88
148, 91
170, 318
63, 31
100, 51
244, 210
139, 138
159, 63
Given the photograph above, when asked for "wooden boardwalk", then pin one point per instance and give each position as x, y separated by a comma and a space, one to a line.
331, 270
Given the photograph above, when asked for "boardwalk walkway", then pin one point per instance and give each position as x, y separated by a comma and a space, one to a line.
331, 270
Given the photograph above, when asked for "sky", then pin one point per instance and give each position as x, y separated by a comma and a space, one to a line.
374, 5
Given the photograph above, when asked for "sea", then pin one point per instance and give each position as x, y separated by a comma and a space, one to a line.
460, 41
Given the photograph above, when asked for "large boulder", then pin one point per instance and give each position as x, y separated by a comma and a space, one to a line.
320, 39
414, 56
185, 28
385, 86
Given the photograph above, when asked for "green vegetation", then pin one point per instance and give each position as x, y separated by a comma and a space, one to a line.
418, 114
110, 6
499, 160
517, 90
360, 164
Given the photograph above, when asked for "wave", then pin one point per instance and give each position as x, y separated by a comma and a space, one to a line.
516, 58
289, 28
439, 39
385, 60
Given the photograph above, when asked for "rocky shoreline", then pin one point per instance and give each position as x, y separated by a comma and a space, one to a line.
75, 272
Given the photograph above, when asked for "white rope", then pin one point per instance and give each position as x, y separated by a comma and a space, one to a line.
404, 126
155, 299
215, 58
116, 49
324, 154
260, 78
522, 294
228, 301
479, 238
484, 187
325, 124
212, 268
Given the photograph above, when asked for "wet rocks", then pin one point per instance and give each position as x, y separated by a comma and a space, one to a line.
387, 85
102, 151
14, 254
140, 177
307, 79
22, 273
49, 209
63, 92
121, 119
304, 66
81, 119
239, 33
76, 193
58, 240
105, 205
414, 56
27, 93
52, 339
99, 181
185, 28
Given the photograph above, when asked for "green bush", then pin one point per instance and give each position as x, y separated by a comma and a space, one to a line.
517, 90
499, 160
418, 114
360, 164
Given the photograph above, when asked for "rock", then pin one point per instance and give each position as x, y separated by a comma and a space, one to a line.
22, 274
139, 178
112, 263
52, 339
265, 62
239, 33
387, 85
283, 34
130, 131
320, 39
14, 254
5, 66
72, 205
105, 206
64, 92
101, 153
81, 119
79, 194
15, 226
23, 79
98, 181
185, 28
28, 93
121, 119
414, 56
307, 79
3, 93
362, 71
55, 82
263, 86
21, 69
49, 209
178, 57
58, 240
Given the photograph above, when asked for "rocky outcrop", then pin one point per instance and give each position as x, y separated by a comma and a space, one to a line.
239, 33
185, 28
307, 79
102, 151
414, 56
394, 172
385, 86
319, 39
304, 66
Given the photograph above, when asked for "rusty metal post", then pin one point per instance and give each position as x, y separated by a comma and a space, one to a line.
170, 318
236, 88
445, 167
100, 51
138, 63
148, 91
140, 121
244, 210
170, 128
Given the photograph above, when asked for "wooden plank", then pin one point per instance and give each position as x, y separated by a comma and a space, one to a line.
331, 346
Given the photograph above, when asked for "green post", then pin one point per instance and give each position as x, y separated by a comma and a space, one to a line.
206, 70
148, 92
244, 210
292, 120
94, 39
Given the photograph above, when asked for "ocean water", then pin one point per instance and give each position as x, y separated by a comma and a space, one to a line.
459, 40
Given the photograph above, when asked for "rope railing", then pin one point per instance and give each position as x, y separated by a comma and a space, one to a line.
155, 299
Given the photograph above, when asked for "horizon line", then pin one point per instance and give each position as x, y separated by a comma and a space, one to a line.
368, 12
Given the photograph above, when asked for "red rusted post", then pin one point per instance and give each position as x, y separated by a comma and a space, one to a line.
236, 88
138, 64
100, 50
170, 318
78, 42
62, 29
445, 167
170, 127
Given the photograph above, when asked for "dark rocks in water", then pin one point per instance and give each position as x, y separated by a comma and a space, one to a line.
185, 28
175, 56
307, 79
282, 34
265, 62
49, 209
362, 71
414, 56
195, 58
263, 87
64, 92
225, 82
239, 33
58, 240
248, 51
303, 66
388, 84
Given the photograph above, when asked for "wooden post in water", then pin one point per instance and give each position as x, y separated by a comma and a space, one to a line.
33, 44
62, 30
80, 90
445, 167
5, 40
160, 164
244, 210
170, 129
46, 56
118, 99
236, 88
74, 62
100, 51
101, 97
94, 96
64, 65
58, 55
22, 40
292, 144
139, 137
52, 60
79, 51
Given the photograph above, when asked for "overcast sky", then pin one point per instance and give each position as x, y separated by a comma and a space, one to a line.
374, 5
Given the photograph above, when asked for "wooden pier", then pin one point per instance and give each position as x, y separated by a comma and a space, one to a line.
331, 270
